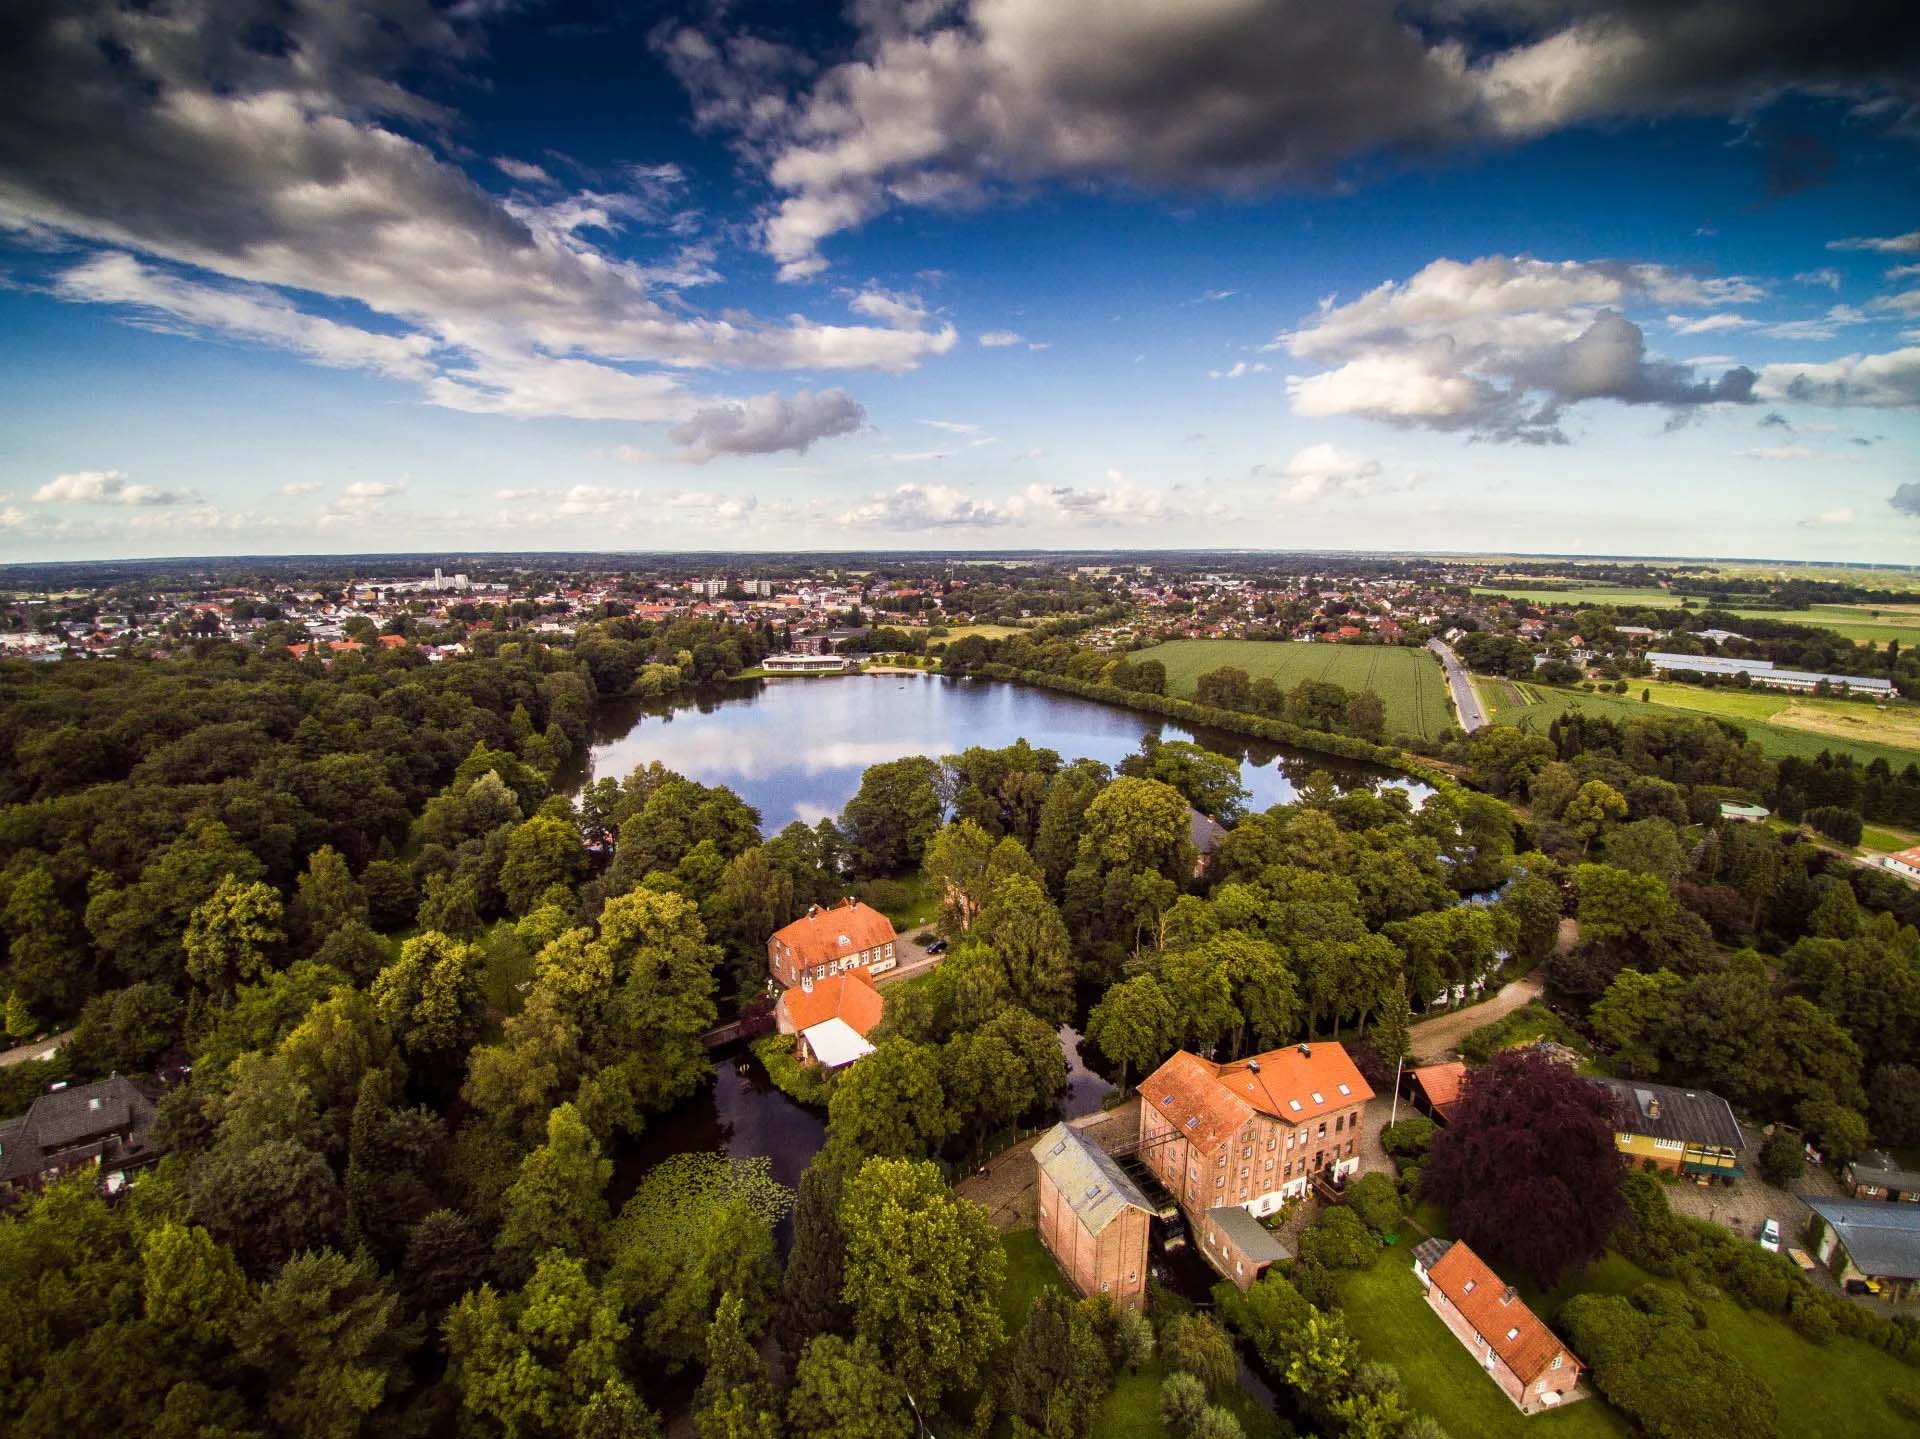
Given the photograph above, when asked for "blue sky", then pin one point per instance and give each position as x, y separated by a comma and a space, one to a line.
1455, 275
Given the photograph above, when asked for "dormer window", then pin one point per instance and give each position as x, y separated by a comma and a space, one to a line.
1513, 1334
1193, 1121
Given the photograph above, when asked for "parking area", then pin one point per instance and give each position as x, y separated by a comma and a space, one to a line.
1749, 1202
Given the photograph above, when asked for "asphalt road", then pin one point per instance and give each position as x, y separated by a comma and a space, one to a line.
1466, 703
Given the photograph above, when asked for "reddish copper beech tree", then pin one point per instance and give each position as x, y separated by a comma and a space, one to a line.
1527, 1166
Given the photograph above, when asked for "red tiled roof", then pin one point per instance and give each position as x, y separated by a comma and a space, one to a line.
849, 996
1441, 1083
822, 935
1530, 1349
1292, 1086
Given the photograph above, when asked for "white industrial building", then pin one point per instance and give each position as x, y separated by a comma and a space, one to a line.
1764, 673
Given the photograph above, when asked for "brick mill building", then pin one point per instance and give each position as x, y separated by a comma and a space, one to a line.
824, 942
1252, 1134
1507, 1339
1092, 1218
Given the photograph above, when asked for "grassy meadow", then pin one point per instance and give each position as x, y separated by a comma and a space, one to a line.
1410, 681
1834, 1389
1782, 724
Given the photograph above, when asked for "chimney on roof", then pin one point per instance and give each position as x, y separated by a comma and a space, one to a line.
812, 910
1306, 1051
1507, 1298
1254, 1065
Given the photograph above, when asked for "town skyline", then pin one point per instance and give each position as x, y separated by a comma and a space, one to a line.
1443, 279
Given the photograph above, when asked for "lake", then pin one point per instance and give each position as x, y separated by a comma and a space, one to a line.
795, 748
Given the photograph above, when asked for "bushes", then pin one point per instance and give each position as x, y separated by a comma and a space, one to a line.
1904, 1400
1672, 1379
1529, 1022
1376, 1202
1409, 1138
1708, 1260
1339, 1241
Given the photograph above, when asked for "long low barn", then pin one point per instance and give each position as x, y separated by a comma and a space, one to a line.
1763, 672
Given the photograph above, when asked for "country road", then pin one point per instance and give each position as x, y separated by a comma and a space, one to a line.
44, 1048
1466, 703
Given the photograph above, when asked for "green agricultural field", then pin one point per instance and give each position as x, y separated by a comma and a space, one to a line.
1410, 681
1781, 724
1862, 624
1623, 598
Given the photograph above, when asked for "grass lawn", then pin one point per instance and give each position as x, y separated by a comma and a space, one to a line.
1410, 681
907, 900
1387, 1313
1863, 624
986, 632
1836, 1390
1781, 724
1132, 1410
1887, 841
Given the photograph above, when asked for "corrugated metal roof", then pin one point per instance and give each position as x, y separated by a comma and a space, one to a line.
1882, 1239
1087, 1176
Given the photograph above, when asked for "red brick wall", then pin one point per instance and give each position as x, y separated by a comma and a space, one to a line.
1200, 1180
1114, 1263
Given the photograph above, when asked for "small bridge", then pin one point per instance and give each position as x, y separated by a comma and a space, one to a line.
753, 1021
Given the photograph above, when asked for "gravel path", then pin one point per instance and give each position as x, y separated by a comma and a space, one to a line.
39, 1049
1431, 1038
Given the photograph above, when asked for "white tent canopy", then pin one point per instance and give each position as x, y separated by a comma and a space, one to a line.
834, 1042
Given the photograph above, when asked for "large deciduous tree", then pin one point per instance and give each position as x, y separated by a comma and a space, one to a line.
894, 815
924, 1271
1527, 1165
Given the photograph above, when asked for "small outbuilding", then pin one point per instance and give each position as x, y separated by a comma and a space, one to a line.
1238, 1245
1869, 1245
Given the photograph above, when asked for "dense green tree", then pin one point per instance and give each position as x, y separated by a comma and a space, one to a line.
530, 1365
1059, 1369
843, 1390
1209, 782
431, 997
325, 899
233, 937
812, 1299
891, 1103
542, 854
735, 1399
559, 1200
923, 1275
894, 815
1022, 927
1196, 1344
267, 1202
330, 1341
1672, 1379
1135, 1025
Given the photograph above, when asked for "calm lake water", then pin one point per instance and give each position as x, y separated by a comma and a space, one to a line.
796, 748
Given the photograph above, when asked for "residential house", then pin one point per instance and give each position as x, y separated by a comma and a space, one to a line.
1507, 1339
1906, 863
1092, 1218
1206, 834
830, 1018
848, 935
1683, 1131
1870, 1245
1254, 1133
1877, 1175
1435, 1089
106, 1125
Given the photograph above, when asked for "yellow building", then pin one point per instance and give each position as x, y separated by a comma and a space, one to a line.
1683, 1131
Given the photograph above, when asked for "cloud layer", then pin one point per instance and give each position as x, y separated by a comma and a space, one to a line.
943, 102
233, 158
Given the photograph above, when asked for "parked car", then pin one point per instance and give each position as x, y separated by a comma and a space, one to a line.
1770, 1236
936, 946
